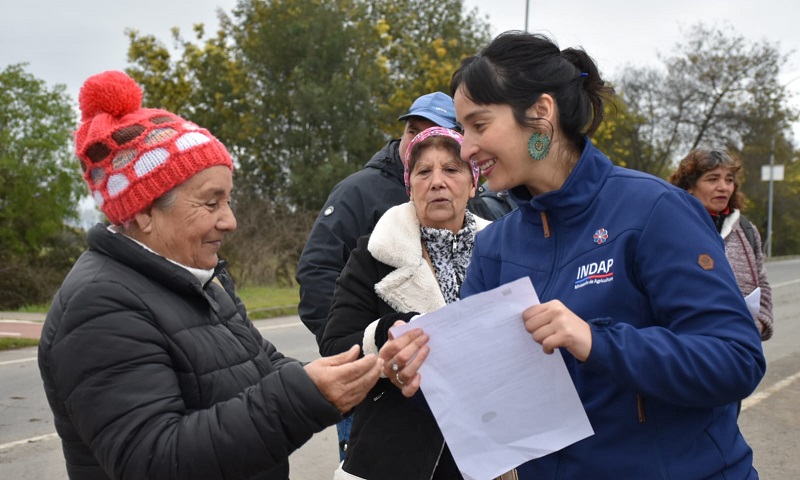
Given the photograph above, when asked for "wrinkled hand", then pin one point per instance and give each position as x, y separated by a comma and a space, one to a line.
344, 379
553, 325
402, 358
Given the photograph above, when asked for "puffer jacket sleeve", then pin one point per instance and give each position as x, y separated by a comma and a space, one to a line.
703, 349
115, 377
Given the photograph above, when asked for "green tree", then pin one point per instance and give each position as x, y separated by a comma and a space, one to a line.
39, 180
712, 87
762, 140
423, 43
39, 187
717, 89
618, 136
315, 86
302, 92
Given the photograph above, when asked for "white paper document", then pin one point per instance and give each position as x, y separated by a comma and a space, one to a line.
753, 302
498, 399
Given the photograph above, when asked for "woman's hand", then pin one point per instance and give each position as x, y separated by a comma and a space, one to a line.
402, 358
344, 379
553, 325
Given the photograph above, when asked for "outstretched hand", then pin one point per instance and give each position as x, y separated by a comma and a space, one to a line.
553, 325
344, 379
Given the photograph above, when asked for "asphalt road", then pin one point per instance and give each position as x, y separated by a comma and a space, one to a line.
770, 420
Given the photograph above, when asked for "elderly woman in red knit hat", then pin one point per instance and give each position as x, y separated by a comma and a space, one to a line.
151, 367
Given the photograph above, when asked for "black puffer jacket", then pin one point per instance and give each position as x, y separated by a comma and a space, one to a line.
151, 375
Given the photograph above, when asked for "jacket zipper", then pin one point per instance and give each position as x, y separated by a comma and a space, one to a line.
435, 465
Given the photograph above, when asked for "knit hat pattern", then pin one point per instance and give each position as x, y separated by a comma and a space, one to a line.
131, 155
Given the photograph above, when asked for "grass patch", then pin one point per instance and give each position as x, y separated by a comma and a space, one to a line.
41, 308
8, 343
261, 302
268, 302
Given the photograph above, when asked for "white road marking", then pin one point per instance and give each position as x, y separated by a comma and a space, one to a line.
757, 398
19, 360
785, 284
40, 438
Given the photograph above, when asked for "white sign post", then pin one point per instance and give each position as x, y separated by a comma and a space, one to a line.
777, 173
771, 173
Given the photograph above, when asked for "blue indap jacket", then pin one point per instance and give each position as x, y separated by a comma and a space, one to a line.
673, 345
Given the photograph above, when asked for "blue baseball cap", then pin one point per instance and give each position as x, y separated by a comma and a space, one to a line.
436, 107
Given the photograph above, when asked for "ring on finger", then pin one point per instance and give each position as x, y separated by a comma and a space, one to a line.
397, 377
395, 367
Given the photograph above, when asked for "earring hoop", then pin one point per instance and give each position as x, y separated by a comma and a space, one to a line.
539, 145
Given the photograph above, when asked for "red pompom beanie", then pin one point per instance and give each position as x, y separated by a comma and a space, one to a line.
131, 155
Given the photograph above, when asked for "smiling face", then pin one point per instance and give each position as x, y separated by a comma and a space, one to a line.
497, 143
441, 184
190, 231
714, 188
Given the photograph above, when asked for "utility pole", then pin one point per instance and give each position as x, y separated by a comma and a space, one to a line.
527, 3
769, 207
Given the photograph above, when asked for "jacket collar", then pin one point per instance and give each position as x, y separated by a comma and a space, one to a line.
396, 242
730, 220
142, 260
579, 190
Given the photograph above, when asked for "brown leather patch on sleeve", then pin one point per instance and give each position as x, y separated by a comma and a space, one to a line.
705, 261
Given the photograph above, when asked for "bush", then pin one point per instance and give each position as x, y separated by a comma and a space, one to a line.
34, 279
267, 244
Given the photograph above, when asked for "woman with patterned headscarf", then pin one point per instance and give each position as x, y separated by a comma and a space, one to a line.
414, 262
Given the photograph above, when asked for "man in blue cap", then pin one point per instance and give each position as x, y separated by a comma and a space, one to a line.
355, 205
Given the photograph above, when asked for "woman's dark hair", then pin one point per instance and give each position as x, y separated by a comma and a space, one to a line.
702, 160
516, 68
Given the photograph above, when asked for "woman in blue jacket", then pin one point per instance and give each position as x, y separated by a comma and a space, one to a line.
636, 293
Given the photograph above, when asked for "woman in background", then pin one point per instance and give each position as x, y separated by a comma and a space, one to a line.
714, 177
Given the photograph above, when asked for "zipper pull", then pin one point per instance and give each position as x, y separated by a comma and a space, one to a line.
545, 225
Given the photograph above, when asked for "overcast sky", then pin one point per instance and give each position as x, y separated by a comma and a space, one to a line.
66, 41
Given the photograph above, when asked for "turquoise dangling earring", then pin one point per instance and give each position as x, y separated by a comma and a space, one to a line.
538, 145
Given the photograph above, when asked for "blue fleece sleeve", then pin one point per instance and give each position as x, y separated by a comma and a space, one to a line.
703, 348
